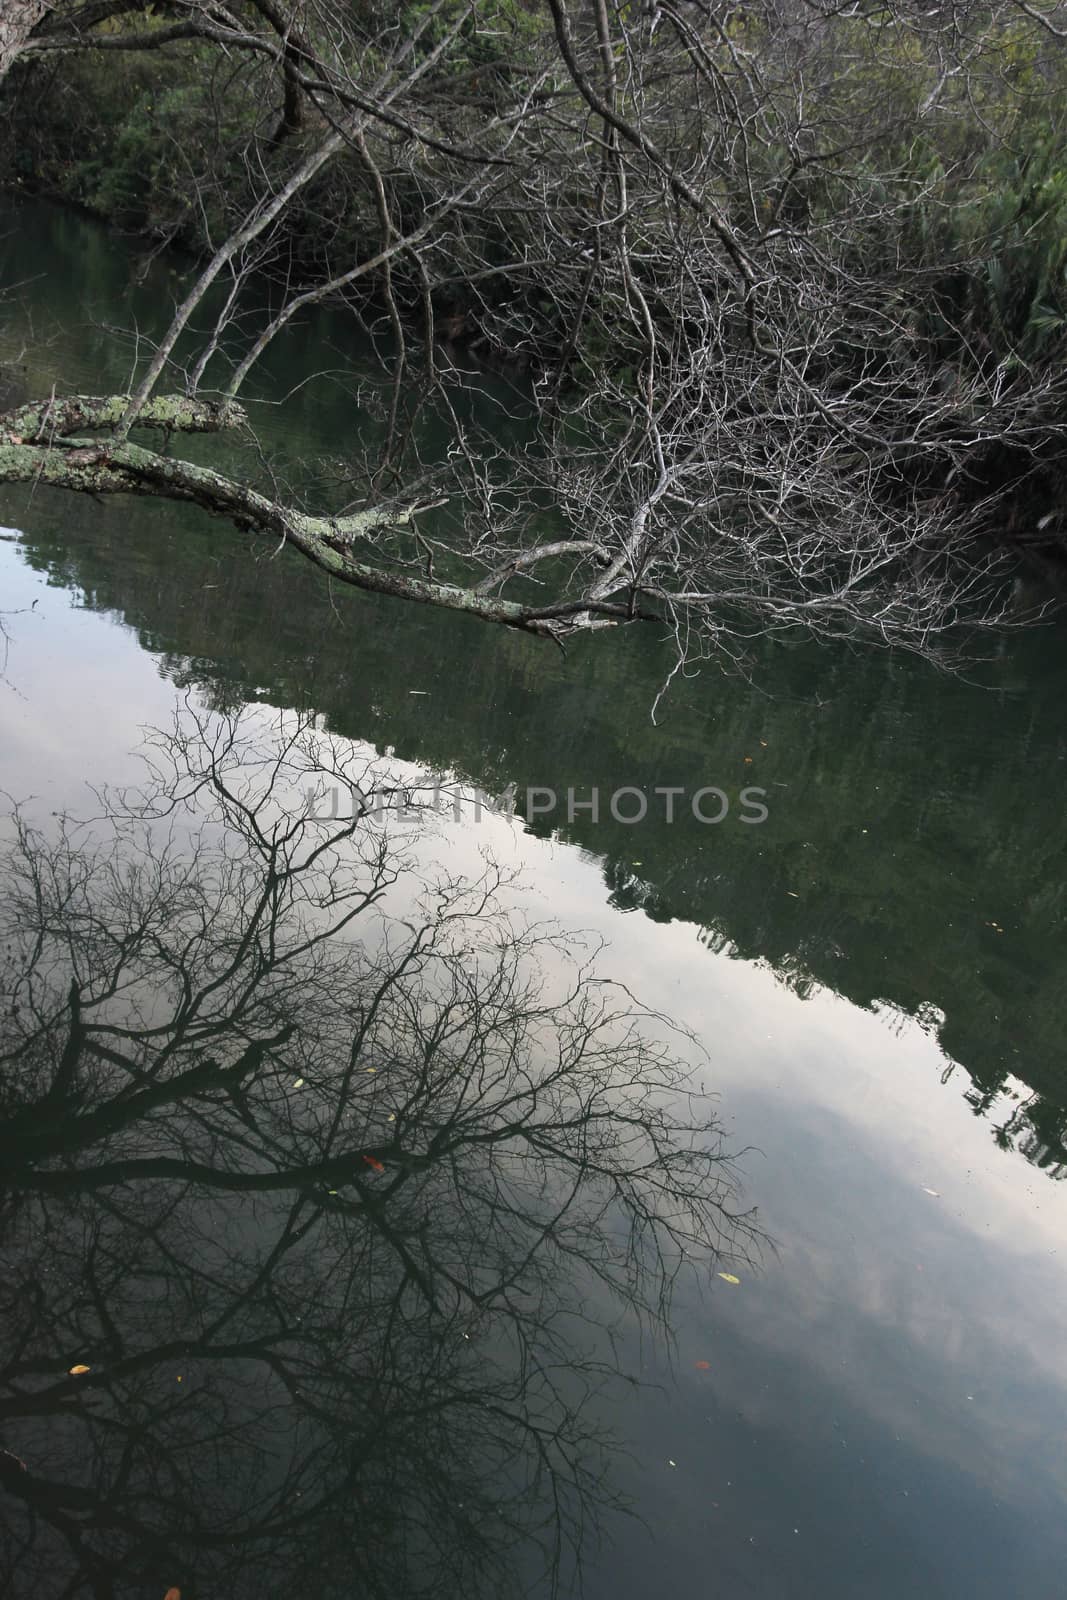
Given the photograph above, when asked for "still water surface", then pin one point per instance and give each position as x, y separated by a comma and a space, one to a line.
877, 975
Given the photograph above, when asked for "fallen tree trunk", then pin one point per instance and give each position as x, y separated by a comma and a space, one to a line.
36, 446
43, 421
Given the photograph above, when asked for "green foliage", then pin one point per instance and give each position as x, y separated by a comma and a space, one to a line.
150, 142
1015, 235
960, 178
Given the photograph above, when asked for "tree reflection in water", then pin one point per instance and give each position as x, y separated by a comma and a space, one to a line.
337, 1206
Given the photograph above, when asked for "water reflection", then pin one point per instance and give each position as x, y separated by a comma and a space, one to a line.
883, 1409
914, 856
325, 1178
899, 863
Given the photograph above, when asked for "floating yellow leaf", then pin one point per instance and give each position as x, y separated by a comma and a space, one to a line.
728, 1277
299, 1084
76, 1372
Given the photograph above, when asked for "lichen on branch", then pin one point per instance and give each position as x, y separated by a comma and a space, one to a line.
41, 420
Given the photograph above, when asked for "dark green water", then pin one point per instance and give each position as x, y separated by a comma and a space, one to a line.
878, 974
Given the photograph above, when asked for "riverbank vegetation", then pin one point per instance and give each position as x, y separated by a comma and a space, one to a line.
789, 282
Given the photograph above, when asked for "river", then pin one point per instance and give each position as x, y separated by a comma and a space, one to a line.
875, 976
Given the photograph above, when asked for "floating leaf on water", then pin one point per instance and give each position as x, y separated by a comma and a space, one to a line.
173, 1594
76, 1372
934, 1192
702, 1366
371, 1162
392, 1116
372, 1069
728, 1277
792, 894
671, 1463
299, 1084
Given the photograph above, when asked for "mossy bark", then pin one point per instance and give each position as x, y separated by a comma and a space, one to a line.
41, 421
36, 446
